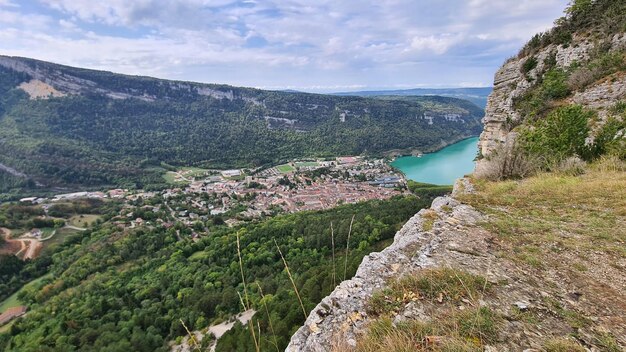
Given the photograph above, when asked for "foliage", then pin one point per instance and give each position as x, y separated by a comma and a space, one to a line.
95, 140
560, 135
427, 189
529, 64
127, 290
611, 139
599, 19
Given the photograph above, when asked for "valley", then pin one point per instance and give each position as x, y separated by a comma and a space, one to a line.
168, 215
103, 129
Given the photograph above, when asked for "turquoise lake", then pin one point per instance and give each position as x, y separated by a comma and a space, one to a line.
442, 167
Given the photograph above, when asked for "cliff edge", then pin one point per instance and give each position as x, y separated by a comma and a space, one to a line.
528, 253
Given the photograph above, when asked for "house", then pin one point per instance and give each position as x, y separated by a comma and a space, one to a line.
12, 313
28, 200
116, 193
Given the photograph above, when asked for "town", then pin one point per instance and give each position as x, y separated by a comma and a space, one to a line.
198, 197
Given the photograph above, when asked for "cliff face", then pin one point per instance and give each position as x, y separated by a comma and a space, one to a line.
511, 83
546, 277
342, 316
550, 284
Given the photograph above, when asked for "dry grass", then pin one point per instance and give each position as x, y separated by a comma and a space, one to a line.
455, 330
551, 213
451, 329
429, 219
563, 345
440, 285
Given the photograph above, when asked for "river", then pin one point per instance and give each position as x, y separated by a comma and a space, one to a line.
442, 167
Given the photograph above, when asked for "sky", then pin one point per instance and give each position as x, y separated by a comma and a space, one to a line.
314, 45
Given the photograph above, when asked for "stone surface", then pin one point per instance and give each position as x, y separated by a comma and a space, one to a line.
510, 83
342, 315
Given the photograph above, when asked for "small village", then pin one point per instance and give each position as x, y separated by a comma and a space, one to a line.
235, 196
200, 198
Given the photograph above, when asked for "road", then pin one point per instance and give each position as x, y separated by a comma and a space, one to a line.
29, 246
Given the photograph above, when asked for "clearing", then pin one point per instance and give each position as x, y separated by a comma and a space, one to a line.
83, 220
13, 301
285, 168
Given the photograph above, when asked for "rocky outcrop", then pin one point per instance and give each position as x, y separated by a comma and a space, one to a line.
511, 83
342, 315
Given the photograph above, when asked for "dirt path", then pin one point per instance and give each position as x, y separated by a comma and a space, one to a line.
29, 246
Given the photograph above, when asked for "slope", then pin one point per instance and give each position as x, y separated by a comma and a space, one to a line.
65, 126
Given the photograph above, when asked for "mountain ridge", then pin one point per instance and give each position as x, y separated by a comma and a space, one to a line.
86, 120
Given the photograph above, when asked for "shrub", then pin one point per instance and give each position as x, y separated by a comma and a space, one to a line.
611, 139
554, 84
508, 161
560, 135
529, 65
572, 166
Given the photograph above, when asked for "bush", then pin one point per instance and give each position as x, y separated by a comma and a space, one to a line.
555, 85
611, 139
560, 135
529, 65
572, 166
508, 161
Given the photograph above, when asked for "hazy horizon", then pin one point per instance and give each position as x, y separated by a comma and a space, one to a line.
322, 47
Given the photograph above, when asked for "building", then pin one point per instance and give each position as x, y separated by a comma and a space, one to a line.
28, 200
231, 173
12, 313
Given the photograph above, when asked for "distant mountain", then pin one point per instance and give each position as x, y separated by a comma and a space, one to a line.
477, 96
66, 126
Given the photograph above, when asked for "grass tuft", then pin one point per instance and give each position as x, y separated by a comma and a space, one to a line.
438, 285
563, 345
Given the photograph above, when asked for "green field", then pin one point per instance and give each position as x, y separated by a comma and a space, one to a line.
59, 237
199, 255
285, 168
13, 301
307, 164
170, 177
83, 220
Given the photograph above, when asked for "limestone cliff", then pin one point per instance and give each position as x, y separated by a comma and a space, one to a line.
582, 60
553, 286
511, 83
342, 316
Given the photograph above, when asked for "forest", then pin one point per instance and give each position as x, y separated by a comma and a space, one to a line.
118, 290
117, 130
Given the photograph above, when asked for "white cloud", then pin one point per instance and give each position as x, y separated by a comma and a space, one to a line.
295, 43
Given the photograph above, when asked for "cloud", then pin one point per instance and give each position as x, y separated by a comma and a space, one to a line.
295, 43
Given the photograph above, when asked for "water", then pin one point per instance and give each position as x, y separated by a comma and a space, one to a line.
442, 167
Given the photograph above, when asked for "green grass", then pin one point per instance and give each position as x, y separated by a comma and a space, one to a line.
13, 301
199, 255
59, 237
83, 220
285, 168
